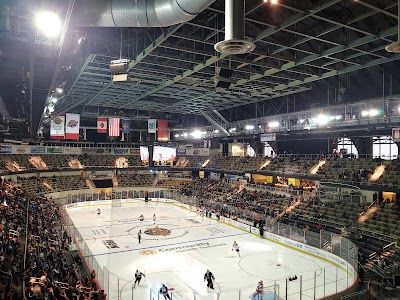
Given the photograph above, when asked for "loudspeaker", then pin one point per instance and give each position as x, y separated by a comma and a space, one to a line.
119, 68
222, 84
226, 73
223, 78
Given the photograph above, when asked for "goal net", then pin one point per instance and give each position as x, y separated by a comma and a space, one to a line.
116, 203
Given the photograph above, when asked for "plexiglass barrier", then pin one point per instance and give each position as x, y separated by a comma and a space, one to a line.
339, 275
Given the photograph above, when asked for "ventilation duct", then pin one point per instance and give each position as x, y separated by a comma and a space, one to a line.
395, 47
136, 13
234, 42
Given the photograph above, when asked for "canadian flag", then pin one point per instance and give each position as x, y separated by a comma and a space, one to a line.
102, 125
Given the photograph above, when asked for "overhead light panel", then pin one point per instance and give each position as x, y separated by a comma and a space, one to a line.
273, 124
249, 127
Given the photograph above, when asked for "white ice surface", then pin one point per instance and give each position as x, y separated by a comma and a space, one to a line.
204, 244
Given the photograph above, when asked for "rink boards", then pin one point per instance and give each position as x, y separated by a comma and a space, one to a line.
195, 241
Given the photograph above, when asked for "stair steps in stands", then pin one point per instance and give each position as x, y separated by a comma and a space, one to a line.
115, 181
364, 216
47, 185
90, 183
38, 162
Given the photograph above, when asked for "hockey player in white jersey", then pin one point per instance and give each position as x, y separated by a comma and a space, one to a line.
235, 247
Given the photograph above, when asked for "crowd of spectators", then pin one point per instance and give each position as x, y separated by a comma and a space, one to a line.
49, 272
244, 200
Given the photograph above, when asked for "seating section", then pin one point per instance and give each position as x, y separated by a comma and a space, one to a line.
250, 163
171, 183
15, 162
222, 162
191, 161
130, 179
331, 167
40, 185
51, 272
293, 164
350, 170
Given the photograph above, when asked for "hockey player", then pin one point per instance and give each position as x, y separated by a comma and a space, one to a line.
138, 277
154, 219
139, 235
210, 278
259, 291
141, 218
164, 292
98, 212
235, 247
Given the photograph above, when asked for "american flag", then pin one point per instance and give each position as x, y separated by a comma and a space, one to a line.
113, 126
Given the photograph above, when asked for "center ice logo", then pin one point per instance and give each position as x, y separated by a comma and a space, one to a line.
157, 231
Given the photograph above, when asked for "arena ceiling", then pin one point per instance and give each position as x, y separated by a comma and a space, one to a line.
302, 48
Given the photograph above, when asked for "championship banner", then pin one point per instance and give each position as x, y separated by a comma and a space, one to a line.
163, 134
72, 122
57, 129
101, 125
151, 126
126, 125
396, 134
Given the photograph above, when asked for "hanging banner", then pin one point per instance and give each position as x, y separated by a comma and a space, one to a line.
113, 126
57, 129
20, 149
126, 125
72, 126
72, 150
38, 150
101, 125
151, 126
163, 133
54, 150
396, 134
120, 151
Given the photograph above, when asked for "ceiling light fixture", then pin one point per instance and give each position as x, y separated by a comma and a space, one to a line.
48, 23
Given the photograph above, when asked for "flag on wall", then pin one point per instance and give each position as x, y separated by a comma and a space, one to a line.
57, 128
151, 126
113, 126
125, 125
101, 125
163, 134
72, 122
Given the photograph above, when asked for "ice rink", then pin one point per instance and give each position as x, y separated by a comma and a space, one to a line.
181, 245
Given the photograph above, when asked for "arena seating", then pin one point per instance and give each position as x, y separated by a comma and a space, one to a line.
51, 272
39, 185
307, 211
129, 179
